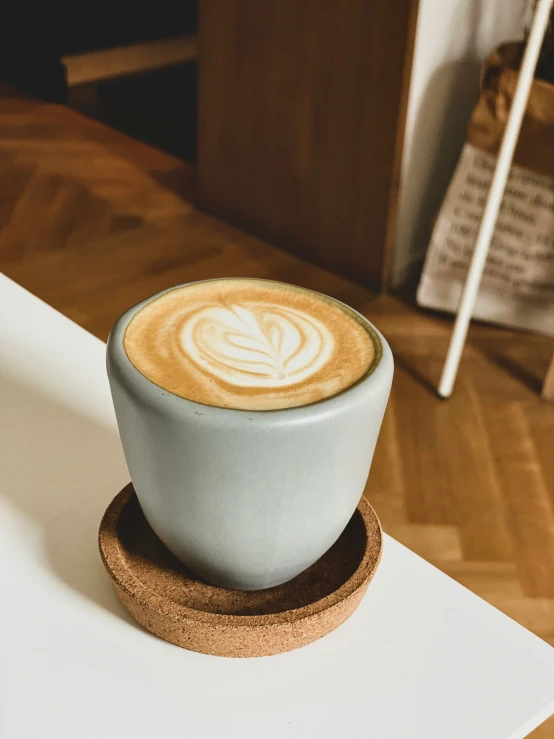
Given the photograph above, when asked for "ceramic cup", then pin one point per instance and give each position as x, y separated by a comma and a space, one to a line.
246, 499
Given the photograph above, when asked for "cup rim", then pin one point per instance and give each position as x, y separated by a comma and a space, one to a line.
122, 323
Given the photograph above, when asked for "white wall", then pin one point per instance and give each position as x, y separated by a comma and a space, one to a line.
452, 38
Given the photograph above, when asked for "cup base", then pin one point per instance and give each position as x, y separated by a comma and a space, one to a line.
176, 605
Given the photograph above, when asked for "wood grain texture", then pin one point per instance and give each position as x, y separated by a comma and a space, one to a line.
301, 115
548, 385
93, 222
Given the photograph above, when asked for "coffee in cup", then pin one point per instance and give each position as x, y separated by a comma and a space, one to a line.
248, 411
250, 344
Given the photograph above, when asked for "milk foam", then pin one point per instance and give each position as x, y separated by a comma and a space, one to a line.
250, 344
257, 346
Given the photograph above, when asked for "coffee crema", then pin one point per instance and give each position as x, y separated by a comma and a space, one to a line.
250, 344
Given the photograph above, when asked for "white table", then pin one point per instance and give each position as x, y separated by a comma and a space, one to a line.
422, 656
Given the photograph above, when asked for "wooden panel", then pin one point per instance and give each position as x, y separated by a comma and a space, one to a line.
301, 108
122, 61
548, 385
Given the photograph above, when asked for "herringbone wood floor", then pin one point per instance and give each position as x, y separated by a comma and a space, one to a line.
92, 222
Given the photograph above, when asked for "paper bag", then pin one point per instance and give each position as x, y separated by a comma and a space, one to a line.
517, 288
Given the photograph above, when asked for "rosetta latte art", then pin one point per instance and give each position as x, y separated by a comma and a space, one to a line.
257, 345
249, 344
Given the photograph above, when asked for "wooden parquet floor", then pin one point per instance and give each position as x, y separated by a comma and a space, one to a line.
92, 222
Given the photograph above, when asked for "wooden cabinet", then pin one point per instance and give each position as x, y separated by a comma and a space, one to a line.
301, 119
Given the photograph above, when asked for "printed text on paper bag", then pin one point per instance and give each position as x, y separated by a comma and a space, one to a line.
521, 256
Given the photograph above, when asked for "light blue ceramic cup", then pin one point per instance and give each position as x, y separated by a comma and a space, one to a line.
247, 499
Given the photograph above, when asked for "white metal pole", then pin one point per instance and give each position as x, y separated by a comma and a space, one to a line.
494, 199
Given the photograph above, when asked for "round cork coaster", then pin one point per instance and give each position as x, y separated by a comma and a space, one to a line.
173, 603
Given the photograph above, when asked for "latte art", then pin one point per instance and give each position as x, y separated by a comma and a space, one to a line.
250, 344
257, 345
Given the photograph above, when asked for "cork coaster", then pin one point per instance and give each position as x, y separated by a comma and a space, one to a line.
173, 603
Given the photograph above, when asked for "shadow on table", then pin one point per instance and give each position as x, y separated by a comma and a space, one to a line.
61, 469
